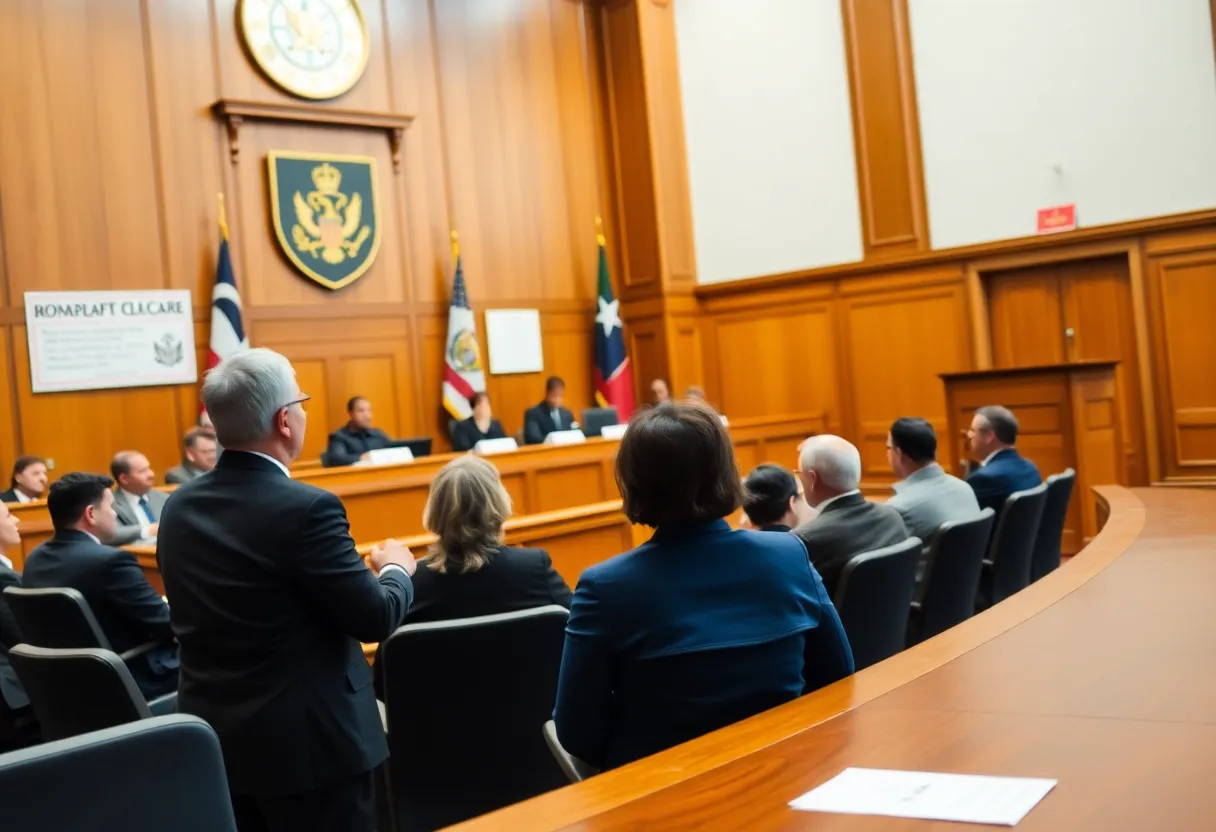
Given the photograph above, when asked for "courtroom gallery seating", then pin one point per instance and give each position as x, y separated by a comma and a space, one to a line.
1051, 526
466, 700
149, 776
954, 562
76, 691
873, 599
1007, 568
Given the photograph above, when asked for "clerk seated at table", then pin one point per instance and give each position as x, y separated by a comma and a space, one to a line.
703, 625
29, 481
354, 441
481, 425
549, 415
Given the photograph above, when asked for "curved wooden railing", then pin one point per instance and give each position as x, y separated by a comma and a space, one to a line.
1099, 675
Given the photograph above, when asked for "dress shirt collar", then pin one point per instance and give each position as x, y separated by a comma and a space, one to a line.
995, 453
22, 497
930, 472
278, 464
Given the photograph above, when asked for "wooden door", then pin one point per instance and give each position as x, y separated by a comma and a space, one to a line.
1026, 316
1098, 325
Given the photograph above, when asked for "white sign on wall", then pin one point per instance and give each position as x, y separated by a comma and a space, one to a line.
515, 341
103, 340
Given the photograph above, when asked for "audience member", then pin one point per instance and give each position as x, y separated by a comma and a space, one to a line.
17, 725
703, 625
29, 481
770, 494
468, 571
354, 441
136, 502
549, 415
993, 434
695, 394
481, 425
845, 523
659, 392
129, 610
198, 456
270, 604
926, 496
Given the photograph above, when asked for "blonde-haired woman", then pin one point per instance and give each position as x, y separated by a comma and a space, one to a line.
468, 571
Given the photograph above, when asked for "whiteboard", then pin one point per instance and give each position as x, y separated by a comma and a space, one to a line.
514, 339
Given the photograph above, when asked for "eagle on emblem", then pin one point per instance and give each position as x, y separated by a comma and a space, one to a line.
327, 220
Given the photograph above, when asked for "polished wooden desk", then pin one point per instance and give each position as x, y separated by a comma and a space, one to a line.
1102, 675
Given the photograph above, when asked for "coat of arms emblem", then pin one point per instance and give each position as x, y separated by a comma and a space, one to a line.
325, 214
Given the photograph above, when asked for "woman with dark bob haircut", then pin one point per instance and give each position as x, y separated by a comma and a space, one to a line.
699, 627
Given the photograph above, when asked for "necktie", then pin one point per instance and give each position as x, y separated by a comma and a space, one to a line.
557, 420
147, 509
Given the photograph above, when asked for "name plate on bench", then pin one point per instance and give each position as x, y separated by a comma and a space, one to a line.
495, 446
565, 437
389, 456
613, 431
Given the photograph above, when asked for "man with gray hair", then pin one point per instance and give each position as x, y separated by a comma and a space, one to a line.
270, 600
992, 436
845, 523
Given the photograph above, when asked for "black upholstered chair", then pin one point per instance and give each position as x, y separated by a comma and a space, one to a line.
874, 597
79, 690
1007, 568
474, 742
955, 558
1046, 557
158, 774
575, 769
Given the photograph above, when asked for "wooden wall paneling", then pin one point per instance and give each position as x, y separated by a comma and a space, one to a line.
1183, 293
1144, 359
10, 440
897, 342
1096, 404
885, 127
1026, 317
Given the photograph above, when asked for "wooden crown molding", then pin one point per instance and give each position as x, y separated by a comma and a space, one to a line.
235, 113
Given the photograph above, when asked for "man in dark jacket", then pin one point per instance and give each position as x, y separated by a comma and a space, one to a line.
1002, 471
355, 440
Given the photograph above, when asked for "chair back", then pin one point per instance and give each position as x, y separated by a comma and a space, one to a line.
595, 419
1046, 556
874, 597
76, 691
954, 563
161, 773
58, 617
1013, 545
474, 742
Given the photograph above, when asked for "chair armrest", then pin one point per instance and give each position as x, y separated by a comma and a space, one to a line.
163, 705
574, 768
916, 607
146, 647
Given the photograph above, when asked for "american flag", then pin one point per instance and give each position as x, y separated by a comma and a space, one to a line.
227, 330
462, 373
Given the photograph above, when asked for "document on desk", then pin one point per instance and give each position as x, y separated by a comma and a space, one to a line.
966, 798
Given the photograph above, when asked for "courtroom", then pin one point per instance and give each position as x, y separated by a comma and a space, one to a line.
538, 415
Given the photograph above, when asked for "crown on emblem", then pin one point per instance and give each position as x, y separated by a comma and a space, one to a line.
327, 178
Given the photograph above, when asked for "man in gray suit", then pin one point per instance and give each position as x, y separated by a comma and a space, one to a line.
199, 451
845, 523
926, 496
137, 504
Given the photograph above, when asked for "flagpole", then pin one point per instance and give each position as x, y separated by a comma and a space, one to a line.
455, 249
223, 216
599, 232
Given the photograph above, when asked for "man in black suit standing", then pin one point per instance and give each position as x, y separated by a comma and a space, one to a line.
845, 523
549, 415
270, 602
126, 606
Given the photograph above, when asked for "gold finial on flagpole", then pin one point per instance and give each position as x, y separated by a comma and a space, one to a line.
599, 232
455, 248
223, 216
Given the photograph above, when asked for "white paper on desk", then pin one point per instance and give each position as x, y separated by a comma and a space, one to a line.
968, 798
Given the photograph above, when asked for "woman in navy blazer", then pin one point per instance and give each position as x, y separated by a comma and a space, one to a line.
703, 625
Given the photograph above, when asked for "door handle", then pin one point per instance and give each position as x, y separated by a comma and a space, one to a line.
1070, 333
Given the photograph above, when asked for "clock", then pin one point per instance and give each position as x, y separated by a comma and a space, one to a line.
311, 48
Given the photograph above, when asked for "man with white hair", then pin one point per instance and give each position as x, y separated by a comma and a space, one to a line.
845, 523
270, 601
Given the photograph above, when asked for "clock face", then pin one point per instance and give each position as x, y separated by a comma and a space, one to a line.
312, 48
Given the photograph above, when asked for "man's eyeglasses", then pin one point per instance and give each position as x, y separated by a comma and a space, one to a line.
299, 401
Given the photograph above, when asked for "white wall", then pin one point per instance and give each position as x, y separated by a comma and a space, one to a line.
1119, 94
769, 136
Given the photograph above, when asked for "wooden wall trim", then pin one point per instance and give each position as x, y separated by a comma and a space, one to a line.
882, 87
1172, 222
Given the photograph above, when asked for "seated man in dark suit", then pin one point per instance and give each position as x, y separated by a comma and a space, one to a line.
1002, 471
136, 501
18, 727
549, 415
770, 498
29, 481
199, 452
845, 523
126, 606
355, 440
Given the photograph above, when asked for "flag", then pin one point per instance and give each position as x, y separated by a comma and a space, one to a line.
462, 375
227, 330
613, 378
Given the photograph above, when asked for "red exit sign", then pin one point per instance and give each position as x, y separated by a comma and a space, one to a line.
1057, 218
